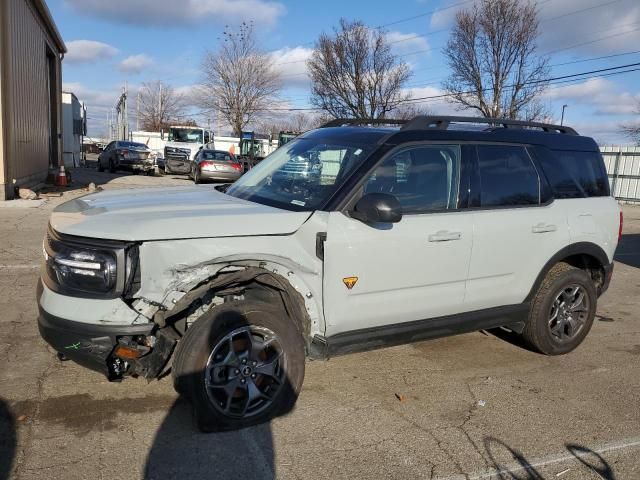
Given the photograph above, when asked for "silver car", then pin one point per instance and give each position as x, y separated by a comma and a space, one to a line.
215, 165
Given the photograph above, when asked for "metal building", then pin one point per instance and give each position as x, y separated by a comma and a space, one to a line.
74, 127
31, 51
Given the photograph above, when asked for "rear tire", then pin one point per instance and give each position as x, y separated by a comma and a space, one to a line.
112, 166
196, 177
267, 363
562, 311
100, 167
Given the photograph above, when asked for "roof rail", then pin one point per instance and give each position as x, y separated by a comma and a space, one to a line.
339, 122
424, 122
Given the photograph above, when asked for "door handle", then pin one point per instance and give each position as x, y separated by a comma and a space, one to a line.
543, 228
444, 236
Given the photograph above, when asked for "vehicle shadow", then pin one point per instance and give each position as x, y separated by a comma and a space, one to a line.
628, 251
7, 440
180, 451
517, 467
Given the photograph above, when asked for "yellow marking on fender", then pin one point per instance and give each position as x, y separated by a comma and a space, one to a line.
350, 282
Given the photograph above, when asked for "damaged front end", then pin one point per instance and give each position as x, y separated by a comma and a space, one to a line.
145, 349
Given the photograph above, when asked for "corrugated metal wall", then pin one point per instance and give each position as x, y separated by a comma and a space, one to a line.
623, 168
28, 91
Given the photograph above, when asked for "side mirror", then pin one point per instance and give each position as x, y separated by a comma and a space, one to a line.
378, 208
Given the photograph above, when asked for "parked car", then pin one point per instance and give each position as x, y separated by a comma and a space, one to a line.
399, 235
215, 165
123, 155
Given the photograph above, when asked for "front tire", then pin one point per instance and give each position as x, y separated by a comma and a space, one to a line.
240, 364
562, 311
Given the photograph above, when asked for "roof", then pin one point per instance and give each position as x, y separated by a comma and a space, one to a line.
465, 129
44, 12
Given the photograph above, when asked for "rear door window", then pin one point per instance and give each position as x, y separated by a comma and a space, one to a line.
574, 174
507, 177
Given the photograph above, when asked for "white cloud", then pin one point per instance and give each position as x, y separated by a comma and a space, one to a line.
88, 51
436, 106
407, 42
581, 25
181, 13
602, 96
292, 65
135, 64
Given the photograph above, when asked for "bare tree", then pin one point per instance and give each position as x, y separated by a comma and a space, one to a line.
239, 79
632, 130
495, 66
407, 111
158, 106
355, 74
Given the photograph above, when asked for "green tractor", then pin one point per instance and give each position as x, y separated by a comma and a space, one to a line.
286, 137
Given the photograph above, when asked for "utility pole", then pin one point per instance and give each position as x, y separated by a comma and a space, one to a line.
160, 103
562, 117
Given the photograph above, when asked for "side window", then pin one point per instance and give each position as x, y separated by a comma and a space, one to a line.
575, 174
507, 177
110, 146
422, 178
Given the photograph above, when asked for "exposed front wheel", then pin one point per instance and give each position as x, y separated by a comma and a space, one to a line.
562, 311
240, 364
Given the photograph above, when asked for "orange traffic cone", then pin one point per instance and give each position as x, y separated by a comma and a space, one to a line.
61, 178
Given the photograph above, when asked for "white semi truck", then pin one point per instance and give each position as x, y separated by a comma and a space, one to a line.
182, 144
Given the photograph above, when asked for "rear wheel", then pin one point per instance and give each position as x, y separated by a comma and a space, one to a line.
196, 177
240, 364
100, 167
112, 166
562, 311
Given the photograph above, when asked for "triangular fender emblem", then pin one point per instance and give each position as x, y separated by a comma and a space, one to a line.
350, 282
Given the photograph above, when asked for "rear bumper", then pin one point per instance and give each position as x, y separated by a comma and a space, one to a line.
219, 175
136, 164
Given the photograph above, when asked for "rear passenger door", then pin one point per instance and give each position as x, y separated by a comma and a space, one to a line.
516, 226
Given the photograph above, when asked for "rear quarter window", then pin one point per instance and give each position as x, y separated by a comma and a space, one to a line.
574, 174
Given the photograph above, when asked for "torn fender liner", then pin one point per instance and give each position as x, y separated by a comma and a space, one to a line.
152, 364
233, 282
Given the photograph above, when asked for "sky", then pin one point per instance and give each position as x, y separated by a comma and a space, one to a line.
113, 42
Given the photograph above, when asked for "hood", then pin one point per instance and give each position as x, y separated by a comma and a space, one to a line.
170, 213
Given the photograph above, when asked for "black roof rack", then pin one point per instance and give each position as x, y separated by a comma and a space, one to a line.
339, 122
424, 122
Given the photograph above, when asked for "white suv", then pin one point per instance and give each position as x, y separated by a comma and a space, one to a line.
394, 234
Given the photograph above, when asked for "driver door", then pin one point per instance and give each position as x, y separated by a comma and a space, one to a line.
379, 275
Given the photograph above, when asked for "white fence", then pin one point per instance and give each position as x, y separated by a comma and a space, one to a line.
623, 169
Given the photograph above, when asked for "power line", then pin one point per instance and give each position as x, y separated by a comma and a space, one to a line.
551, 81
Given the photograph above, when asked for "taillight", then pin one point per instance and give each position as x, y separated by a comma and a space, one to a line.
207, 164
620, 227
124, 153
237, 166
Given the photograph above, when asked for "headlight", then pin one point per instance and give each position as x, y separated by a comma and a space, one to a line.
80, 267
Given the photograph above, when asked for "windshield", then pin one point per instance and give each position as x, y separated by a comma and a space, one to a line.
301, 175
191, 135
